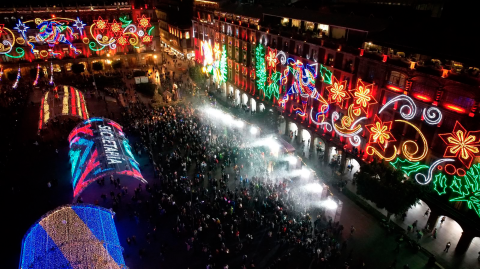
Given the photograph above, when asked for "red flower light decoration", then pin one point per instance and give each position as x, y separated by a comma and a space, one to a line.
144, 21
338, 92
362, 96
100, 23
115, 26
380, 132
272, 58
1, 29
147, 39
122, 41
462, 144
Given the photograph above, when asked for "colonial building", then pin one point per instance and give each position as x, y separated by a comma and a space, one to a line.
352, 87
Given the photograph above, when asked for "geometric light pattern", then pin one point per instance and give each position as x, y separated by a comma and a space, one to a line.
62, 100
73, 236
462, 144
99, 148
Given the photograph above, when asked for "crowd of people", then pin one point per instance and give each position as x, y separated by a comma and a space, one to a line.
226, 208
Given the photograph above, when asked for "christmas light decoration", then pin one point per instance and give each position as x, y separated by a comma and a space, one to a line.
103, 152
283, 57
66, 99
15, 85
407, 166
79, 25
440, 184
461, 144
380, 132
467, 188
412, 108
260, 68
144, 21
405, 146
35, 82
51, 74
432, 115
325, 74
362, 96
1, 73
80, 235
223, 65
338, 92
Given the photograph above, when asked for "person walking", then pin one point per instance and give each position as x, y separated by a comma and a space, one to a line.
442, 220
447, 246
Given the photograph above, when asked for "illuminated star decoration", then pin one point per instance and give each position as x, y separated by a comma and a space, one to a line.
21, 27
462, 144
115, 26
79, 25
100, 23
338, 92
144, 21
362, 96
380, 132
122, 41
147, 39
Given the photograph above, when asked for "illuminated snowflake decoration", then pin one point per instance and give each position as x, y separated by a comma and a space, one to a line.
21, 27
115, 26
147, 39
79, 25
122, 41
144, 22
100, 23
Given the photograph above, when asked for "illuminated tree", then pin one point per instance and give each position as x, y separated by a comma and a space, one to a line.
261, 71
223, 65
387, 188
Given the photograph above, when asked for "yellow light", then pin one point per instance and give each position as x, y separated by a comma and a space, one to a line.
408, 154
155, 56
108, 54
371, 150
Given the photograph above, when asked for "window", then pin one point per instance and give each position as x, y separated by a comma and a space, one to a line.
296, 23
310, 25
323, 28
285, 21
187, 35
397, 79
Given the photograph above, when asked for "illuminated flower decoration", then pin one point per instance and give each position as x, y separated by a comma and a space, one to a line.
380, 132
79, 25
122, 41
338, 92
100, 23
115, 26
462, 144
21, 27
271, 59
362, 96
144, 21
147, 39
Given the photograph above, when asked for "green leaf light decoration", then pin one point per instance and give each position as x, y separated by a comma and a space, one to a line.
261, 70
467, 188
407, 166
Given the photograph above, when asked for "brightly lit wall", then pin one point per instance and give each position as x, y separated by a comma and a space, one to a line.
99, 148
73, 236
408, 134
214, 61
59, 37
62, 101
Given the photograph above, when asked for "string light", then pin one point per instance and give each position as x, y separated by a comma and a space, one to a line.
84, 235
407, 166
412, 108
51, 74
37, 76
260, 68
223, 65
406, 152
467, 188
15, 85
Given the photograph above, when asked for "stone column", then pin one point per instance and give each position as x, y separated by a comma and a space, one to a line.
287, 127
326, 157
343, 162
432, 218
464, 242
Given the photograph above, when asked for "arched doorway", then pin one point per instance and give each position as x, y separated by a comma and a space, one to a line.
293, 131
305, 143
352, 166
334, 158
237, 97
244, 99
253, 104
318, 148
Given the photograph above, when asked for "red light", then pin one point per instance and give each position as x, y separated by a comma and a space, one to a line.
53, 15
361, 52
422, 97
384, 58
455, 108
394, 88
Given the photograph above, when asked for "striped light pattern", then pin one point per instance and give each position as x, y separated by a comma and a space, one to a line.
73, 236
68, 102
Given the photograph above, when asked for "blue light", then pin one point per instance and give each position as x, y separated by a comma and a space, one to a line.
88, 147
92, 120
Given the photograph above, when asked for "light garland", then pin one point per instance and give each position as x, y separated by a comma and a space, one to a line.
432, 115
406, 152
412, 108
84, 235
223, 65
38, 75
66, 98
51, 74
15, 85
260, 68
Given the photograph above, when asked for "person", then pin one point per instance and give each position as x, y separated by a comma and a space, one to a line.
447, 246
442, 220
414, 225
352, 230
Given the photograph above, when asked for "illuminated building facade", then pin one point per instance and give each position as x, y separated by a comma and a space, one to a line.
338, 83
69, 34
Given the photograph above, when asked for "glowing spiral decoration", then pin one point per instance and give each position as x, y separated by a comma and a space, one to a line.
283, 57
432, 115
328, 126
428, 178
412, 108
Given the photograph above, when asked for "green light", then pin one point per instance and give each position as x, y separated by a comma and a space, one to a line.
223, 64
407, 166
91, 45
260, 68
125, 21
20, 51
272, 88
326, 74
468, 188
440, 184
150, 30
